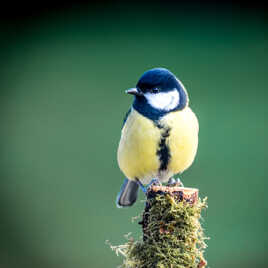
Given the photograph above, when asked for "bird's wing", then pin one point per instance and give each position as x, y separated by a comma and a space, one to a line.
126, 117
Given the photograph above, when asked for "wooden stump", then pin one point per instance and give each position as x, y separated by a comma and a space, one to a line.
190, 195
180, 194
183, 195
172, 234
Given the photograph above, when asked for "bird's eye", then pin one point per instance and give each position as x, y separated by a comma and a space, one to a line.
155, 90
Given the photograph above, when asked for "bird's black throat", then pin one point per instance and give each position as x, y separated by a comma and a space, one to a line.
141, 105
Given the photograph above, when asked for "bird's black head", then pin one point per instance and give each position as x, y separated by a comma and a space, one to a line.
158, 92
157, 80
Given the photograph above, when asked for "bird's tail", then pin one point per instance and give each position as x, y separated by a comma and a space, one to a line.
128, 194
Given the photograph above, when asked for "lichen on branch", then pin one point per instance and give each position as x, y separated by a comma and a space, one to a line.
172, 235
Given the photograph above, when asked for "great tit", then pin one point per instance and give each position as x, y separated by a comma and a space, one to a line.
159, 137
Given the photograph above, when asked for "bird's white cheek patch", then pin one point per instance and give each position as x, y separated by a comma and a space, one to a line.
164, 101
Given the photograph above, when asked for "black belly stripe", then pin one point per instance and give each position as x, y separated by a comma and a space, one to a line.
163, 150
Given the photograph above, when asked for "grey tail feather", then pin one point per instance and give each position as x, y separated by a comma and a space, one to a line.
128, 194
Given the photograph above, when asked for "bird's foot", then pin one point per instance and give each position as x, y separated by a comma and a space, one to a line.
175, 182
143, 188
171, 182
179, 183
153, 182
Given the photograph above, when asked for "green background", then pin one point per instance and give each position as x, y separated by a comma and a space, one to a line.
63, 77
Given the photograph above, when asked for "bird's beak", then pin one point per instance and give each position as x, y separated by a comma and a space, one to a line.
134, 91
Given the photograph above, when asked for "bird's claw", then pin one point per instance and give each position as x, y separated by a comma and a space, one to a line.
171, 182
175, 182
143, 188
154, 182
179, 183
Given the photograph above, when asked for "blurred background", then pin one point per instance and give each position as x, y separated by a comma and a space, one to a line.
63, 73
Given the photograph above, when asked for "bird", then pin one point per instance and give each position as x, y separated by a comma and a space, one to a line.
159, 137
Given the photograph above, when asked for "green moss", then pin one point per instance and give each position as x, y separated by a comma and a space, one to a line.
173, 236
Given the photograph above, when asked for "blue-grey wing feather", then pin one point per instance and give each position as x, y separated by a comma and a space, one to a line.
126, 117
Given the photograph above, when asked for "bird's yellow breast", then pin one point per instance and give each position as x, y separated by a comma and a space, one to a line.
138, 151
